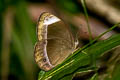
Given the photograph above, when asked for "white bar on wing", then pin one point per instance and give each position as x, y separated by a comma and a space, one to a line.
51, 20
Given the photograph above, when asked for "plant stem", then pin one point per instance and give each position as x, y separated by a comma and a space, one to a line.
86, 16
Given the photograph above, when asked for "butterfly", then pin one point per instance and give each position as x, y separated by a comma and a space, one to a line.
54, 42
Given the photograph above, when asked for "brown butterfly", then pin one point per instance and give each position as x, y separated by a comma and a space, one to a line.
55, 42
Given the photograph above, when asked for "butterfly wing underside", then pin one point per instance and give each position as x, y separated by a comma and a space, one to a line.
55, 42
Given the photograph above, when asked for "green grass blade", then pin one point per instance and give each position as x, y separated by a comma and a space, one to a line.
41, 74
81, 70
84, 47
86, 16
82, 58
94, 77
116, 73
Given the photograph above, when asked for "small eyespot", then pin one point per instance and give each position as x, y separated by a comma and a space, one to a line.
44, 60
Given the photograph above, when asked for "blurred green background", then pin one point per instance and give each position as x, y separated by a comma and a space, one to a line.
18, 21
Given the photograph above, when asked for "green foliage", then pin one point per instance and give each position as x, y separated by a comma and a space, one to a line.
81, 59
94, 77
23, 37
116, 73
86, 15
68, 6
